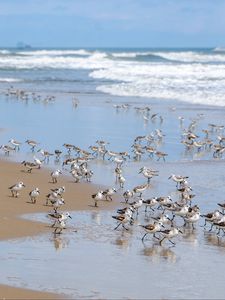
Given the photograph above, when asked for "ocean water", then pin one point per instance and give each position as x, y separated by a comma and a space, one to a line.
190, 75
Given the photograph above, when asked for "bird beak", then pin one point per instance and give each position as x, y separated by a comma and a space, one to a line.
169, 177
180, 231
70, 217
23, 185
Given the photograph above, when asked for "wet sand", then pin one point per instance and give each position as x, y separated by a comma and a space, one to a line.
8, 292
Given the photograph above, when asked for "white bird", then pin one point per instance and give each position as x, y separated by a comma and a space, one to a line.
192, 218
150, 203
51, 197
57, 203
77, 175
136, 204
55, 216
16, 188
34, 194
122, 219
15, 143
97, 197
121, 180
59, 190
37, 161
148, 173
127, 195
32, 143
140, 188
55, 175
169, 234
108, 193
178, 178
152, 229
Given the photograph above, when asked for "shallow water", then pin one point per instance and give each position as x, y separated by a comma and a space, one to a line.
99, 262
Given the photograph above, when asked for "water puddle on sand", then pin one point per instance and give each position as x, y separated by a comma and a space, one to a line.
92, 260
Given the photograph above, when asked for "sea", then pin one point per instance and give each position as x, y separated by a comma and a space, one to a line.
189, 75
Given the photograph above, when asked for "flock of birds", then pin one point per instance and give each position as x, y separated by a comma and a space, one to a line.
164, 211
162, 226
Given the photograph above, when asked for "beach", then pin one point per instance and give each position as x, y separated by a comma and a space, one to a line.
89, 107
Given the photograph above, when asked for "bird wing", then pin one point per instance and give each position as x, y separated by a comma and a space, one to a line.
11, 187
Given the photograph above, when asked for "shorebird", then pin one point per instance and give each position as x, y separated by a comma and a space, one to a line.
45, 154
37, 161
140, 189
150, 203
152, 229
76, 175
57, 154
178, 178
97, 197
148, 173
69, 147
136, 204
191, 218
119, 161
111, 154
122, 219
59, 190
162, 218
16, 188
102, 143
121, 181
53, 196
55, 216
108, 193
160, 154
220, 226
55, 175
212, 218
7, 149
118, 172
127, 195
129, 211
169, 234
57, 203
15, 143
180, 211
29, 165
32, 143
88, 175
34, 194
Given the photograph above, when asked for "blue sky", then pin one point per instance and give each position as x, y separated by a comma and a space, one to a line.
113, 23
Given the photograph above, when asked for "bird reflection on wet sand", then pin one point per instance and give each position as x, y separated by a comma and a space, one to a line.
157, 253
60, 242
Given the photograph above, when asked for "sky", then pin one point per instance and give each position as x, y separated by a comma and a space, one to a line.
112, 23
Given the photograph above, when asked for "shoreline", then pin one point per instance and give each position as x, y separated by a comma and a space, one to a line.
77, 197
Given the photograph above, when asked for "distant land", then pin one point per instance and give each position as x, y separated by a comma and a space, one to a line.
22, 45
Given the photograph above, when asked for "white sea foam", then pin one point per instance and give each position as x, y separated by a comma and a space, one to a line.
181, 56
195, 83
10, 80
81, 52
4, 52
